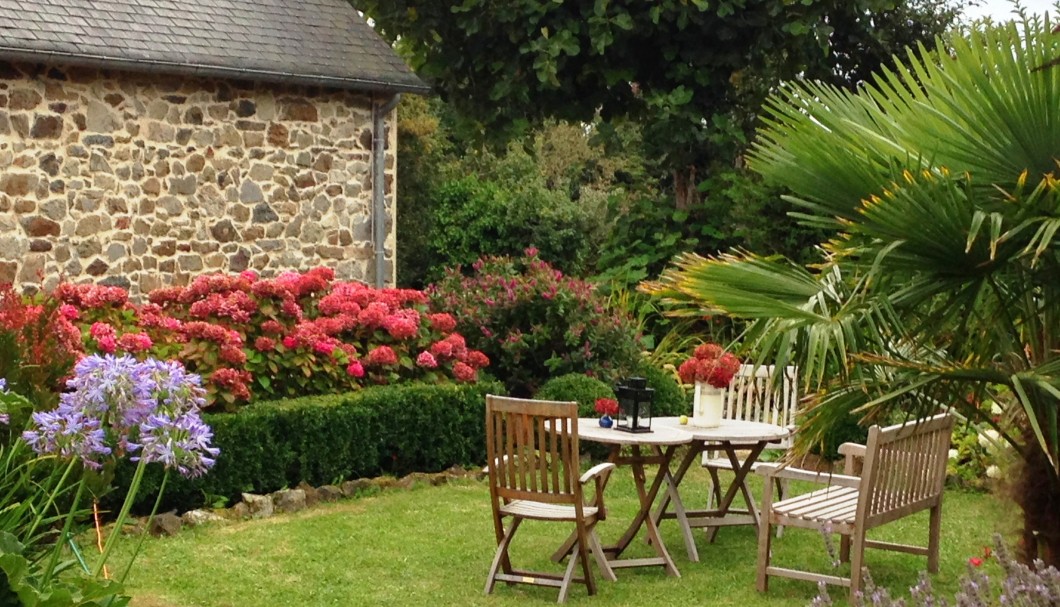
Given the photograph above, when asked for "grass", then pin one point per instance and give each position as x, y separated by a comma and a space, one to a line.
433, 545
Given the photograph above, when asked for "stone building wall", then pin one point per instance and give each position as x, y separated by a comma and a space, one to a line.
143, 181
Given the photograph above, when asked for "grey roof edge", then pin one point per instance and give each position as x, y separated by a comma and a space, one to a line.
154, 66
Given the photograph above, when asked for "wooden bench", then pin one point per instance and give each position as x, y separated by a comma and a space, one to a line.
903, 472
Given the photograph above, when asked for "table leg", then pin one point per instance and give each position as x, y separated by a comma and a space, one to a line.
672, 495
644, 518
739, 483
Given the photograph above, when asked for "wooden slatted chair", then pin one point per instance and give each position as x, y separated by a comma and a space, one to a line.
532, 451
752, 397
904, 468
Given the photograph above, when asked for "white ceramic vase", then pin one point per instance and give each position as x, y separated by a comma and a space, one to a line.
708, 403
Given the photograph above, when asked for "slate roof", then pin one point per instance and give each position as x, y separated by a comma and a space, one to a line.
320, 42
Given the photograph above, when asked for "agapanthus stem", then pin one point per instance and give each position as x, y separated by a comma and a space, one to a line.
51, 499
143, 536
54, 560
130, 497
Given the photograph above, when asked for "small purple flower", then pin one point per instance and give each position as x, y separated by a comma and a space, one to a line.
69, 433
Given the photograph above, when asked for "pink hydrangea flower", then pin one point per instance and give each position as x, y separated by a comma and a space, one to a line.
383, 355
355, 369
426, 360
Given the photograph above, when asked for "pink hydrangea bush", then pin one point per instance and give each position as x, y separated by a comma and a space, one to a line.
292, 335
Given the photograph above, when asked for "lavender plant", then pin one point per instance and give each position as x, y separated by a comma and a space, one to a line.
1022, 586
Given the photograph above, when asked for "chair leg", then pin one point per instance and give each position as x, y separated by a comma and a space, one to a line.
934, 530
844, 548
765, 536
601, 558
583, 557
501, 557
568, 575
782, 489
856, 562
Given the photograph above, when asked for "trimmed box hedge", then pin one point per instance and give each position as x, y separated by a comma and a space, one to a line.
325, 439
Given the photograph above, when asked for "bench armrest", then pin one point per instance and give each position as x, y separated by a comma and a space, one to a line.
852, 449
771, 471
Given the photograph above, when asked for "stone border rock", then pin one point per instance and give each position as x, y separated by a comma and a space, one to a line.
286, 501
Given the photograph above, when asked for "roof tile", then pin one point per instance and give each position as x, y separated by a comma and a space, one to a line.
319, 41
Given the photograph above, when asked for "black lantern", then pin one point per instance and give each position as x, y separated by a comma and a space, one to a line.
634, 405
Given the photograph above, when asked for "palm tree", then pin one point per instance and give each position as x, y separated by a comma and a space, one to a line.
940, 286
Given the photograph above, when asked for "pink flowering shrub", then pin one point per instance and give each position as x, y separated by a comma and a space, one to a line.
292, 335
533, 323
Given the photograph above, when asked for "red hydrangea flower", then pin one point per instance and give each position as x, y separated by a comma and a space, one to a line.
264, 344
477, 359
606, 406
355, 369
426, 360
443, 322
383, 355
69, 312
135, 342
463, 372
710, 364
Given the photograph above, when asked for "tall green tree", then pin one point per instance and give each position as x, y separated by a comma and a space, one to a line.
692, 72
941, 285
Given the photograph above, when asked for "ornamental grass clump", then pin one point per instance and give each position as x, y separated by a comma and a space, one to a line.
534, 323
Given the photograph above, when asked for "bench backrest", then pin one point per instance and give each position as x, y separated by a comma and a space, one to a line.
905, 468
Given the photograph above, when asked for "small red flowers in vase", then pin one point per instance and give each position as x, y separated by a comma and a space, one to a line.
606, 407
711, 369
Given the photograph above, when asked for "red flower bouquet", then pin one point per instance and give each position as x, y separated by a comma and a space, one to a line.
711, 364
607, 406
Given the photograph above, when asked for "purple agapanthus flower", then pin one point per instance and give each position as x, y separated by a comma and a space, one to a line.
5, 419
149, 409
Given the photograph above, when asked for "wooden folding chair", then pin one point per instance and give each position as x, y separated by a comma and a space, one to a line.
532, 451
903, 472
751, 396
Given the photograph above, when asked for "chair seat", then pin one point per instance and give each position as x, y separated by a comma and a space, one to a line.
723, 463
545, 512
835, 504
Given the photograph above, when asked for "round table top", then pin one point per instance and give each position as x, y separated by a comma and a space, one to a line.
730, 430
589, 429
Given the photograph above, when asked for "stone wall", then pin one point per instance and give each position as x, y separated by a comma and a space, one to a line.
143, 181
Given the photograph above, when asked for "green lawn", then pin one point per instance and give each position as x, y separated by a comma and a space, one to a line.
433, 545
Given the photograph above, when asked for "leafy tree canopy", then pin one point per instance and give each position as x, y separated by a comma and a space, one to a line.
692, 71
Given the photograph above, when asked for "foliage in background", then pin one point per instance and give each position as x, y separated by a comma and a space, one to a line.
577, 387
293, 335
379, 430
939, 183
691, 73
535, 323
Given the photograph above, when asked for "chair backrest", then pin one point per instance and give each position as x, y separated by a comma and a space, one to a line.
752, 396
532, 450
905, 468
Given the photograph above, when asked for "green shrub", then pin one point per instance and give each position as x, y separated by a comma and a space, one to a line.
669, 399
379, 430
577, 387
534, 323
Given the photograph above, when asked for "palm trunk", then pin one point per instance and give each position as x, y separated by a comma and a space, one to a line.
1038, 494
686, 192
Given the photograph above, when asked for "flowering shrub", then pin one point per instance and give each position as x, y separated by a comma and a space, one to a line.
292, 335
38, 346
532, 322
710, 364
1022, 585
606, 406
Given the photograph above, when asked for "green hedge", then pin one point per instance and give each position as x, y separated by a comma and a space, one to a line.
325, 439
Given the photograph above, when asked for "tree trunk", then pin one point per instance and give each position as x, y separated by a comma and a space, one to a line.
1038, 494
686, 192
